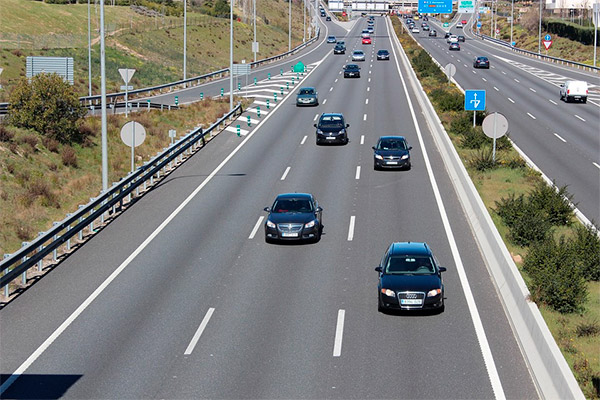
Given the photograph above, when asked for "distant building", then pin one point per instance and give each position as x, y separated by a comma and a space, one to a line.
561, 6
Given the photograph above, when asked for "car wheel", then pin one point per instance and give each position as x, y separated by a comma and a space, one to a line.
375, 167
380, 307
346, 140
584, 100
567, 99
408, 166
318, 142
268, 240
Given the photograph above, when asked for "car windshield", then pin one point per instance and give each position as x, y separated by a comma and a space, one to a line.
332, 121
292, 206
306, 91
382, 51
482, 58
352, 67
358, 53
410, 265
392, 144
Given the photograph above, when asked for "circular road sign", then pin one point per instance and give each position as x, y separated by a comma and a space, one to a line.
133, 130
547, 38
479, 24
450, 70
495, 124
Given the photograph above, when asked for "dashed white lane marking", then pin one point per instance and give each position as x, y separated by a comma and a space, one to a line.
473, 72
285, 173
315, 118
366, 101
339, 333
351, 228
357, 175
465, 65
553, 102
577, 116
516, 80
368, 88
483, 79
504, 73
339, 73
558, 136
324, 101
331, 88
362, 139
365, 117
370, 72
256, 226
531, 116
596, 164
496, 89
304, 139
511, 100
369, 80
198, 333
533, 90
336, 79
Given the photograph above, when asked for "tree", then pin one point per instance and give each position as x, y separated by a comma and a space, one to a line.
48, 105
221, 9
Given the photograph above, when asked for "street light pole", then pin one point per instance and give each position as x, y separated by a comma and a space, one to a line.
184, 39
512, 19
231, 55
103, 100
540, 31
89, 52
254, 44
290, 26
304, 20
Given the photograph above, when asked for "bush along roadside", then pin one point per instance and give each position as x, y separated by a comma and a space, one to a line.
558, 257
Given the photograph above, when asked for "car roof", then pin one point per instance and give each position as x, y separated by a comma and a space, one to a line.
412, 248
382, 50
391, 137
307, 87
351, 66
293, 196
332, 115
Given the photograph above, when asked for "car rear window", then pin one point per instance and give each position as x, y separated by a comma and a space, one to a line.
417, 265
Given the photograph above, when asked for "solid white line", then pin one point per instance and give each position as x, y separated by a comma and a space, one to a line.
558, 136
496, 89
198, 333
596, 164
577, 116
324, 101
531, 116
533, 90
357, 175
339, 333
285, 173
553, 102
40, 350
303, 139
366, 101
362, 139
255, 229
484, 345
351, 228
315, 118
511, 100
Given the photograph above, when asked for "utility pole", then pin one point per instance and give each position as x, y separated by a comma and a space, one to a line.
304, 20
231, 55
540, 31
103, 97
184, 40
254, 44
290, 26
512, 18
89, 51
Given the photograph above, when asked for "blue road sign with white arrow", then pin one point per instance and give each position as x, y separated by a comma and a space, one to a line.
547, 38
475, 100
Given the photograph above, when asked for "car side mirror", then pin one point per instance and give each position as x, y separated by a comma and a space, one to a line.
319, 209
267, 209
562, 85
347, 125
315, 125
374, 148
442, 269
410, 147
378, 269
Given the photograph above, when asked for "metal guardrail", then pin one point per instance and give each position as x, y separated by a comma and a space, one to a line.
49, 242
95, 100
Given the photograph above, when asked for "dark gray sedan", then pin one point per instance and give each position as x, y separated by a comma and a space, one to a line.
307, 96
294, 216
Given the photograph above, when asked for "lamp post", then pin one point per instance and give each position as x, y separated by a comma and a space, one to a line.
290, 26
512, 19
540, 31
184, 40
254, 45
304, 20
89, 52
103, 100
231, 55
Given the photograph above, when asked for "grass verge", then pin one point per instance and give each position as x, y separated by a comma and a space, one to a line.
576, 333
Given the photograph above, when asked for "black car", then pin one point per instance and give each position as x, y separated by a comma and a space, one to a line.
481, 62
410, 278
294, 216
447, 35
454, 46
383, 54
351, 71
307, 96
461, 38
433, 32
339, 49
426, 28
328, 18
391, 152
332, 128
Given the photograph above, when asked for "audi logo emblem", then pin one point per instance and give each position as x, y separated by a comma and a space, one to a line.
411, 296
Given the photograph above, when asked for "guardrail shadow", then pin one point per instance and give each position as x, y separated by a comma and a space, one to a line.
38, 386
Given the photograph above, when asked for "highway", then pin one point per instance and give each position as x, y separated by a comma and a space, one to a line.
562, 139
180, 297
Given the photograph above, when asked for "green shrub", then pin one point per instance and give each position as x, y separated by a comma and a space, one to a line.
461, 123
588, 328
448, 101
474, 139
556, 204
483, 160
555, 279
510, 208
526, 223
48, 105
586, 250
425, 66
515, 163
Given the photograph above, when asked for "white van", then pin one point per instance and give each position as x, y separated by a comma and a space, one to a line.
574, 90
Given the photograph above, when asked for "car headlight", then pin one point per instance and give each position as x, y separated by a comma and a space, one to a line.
388, 292
310, 224
379, 156
271, 224
404, 157
319, 131
434, 292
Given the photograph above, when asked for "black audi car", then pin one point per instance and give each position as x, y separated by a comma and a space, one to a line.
351, 71
410, 278
332, 128
294, 216
391, 152
383, 54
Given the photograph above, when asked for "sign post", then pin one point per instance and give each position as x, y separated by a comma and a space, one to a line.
474, 101
450, 70
172, 133
133, 134
547, 42
596, 18
126, 74
495, 126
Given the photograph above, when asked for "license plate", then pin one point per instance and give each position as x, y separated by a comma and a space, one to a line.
392, 162
411, 302
289, 234
330, 138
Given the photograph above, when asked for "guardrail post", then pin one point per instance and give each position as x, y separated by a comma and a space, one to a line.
54, 239
91, 228
40, 248
24, 274
80, 233
69, 215
6, 292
